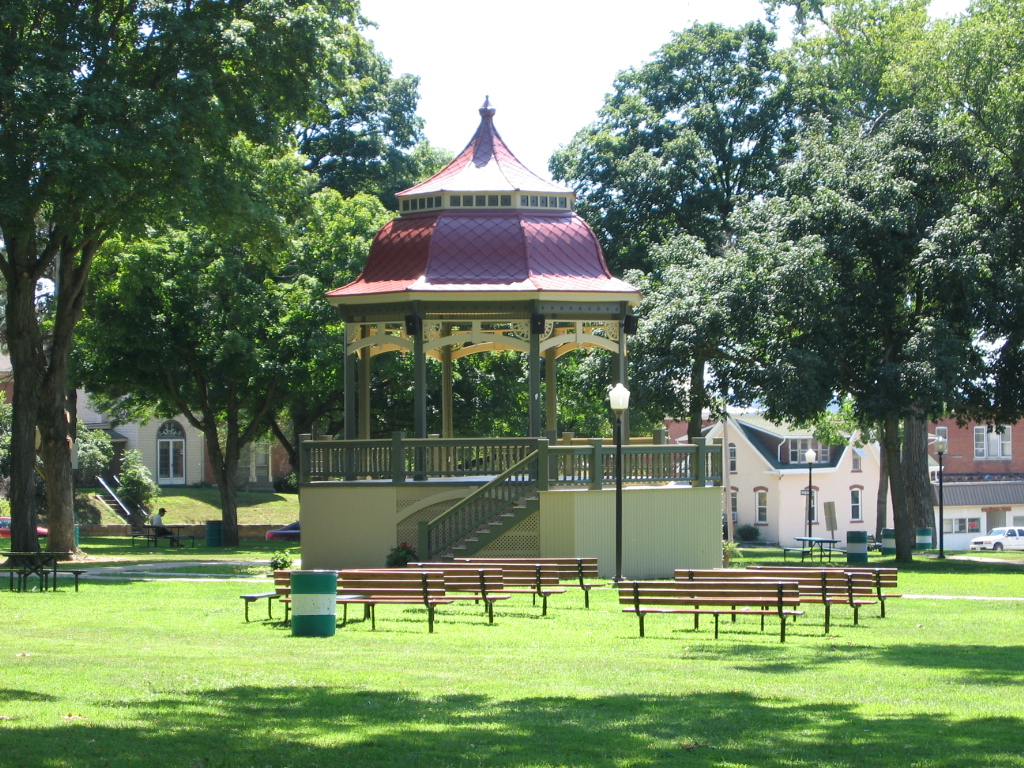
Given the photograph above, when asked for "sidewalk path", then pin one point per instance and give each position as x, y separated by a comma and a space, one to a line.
159, 572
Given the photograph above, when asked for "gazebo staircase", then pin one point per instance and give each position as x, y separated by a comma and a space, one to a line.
486, 514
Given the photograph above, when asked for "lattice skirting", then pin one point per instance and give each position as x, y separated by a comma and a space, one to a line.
521, 541
408, 529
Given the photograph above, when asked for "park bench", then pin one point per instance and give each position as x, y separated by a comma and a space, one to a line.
733, 597
77, 573
380, 586
827, 586
524, 576
470, 581
255, 597
802, 551
883, 580
392, 586
569, 569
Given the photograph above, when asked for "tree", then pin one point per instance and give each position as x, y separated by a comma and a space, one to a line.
201, 322
681, 141
331, 248
108, 115
372, 141
868, 275
982, 77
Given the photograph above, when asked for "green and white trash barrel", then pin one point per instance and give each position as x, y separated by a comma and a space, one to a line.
923, 538
314, 606
215, 533
888, 541
856, 547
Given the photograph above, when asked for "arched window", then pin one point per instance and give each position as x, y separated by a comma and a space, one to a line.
170, 454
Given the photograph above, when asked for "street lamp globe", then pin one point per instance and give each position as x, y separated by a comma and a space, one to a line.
618, 398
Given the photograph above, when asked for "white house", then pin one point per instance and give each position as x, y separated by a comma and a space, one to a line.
767, 471
172, 449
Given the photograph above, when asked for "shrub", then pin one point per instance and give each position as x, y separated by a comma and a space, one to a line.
289, 484
747, 533
138, 489
283, 560
401, 555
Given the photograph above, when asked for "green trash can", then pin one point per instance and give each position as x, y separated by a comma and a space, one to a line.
215, 533
314, 605
78, 536
888, 541
923, 538
856, 547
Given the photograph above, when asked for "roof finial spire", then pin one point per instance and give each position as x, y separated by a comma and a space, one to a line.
487, 110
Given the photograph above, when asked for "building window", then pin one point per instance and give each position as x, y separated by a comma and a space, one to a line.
455, 201
734, 505
492, 201
761, 507
732, 458
506, 200
170, 454
481, 200
967, 525
856, 509
858, 459
992, 444
942, 433
798, 446
562, 202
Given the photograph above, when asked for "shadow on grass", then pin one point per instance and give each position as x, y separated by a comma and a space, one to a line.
299, 726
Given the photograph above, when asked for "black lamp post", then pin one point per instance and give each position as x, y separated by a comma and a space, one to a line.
940, 451
618, 397
809, 456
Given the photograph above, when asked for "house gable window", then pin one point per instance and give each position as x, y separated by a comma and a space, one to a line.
798, 446
732, 458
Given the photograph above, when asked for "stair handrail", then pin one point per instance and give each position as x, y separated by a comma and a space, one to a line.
453, 524
124, 513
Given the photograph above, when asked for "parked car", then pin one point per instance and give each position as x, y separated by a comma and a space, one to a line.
1000, 538
5, 529
288, 533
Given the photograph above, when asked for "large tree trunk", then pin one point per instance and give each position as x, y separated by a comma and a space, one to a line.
224, 463
903, 521
698, 399
28, 363
55, 423
915, 473
882, 499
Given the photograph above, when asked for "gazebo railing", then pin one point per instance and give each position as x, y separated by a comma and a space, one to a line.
402, 459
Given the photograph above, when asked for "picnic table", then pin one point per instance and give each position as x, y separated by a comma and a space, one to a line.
824, 545
41, 564
152, 537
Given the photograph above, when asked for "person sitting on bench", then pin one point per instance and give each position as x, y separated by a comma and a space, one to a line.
157, 521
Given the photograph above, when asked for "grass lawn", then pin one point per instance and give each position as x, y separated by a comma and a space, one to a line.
166, 673
187, 506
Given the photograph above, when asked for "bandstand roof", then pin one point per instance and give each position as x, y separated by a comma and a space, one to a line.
485, 228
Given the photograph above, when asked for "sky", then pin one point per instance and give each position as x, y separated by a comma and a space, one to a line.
545, 64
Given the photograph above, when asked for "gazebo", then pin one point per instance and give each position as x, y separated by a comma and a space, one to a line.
484, 256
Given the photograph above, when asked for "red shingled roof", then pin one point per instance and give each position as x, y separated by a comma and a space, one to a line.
485, 251
485, 164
